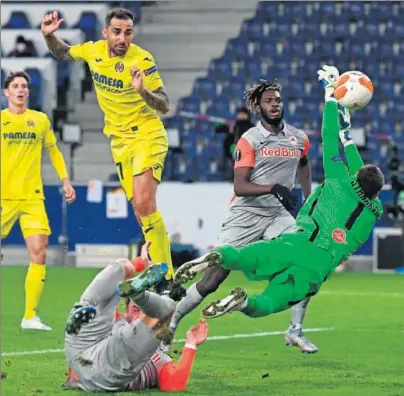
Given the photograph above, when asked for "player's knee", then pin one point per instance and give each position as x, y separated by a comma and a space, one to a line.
144, 203
37, 253
127, 266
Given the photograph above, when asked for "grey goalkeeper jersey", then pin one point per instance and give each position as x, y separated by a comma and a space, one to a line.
274, 159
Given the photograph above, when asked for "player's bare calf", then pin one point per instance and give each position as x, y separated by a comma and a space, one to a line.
235, 301
189, 270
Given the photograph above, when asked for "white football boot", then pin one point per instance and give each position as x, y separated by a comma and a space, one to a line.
34, 323
294, 336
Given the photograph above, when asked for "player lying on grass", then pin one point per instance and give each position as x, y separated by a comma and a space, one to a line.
333, 223
114, 354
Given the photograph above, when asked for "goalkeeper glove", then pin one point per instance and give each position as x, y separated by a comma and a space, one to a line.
284, 196
328, 76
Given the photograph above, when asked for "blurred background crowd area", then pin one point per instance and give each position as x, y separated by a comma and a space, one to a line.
208, 54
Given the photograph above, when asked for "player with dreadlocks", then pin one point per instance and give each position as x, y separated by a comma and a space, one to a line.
266, 161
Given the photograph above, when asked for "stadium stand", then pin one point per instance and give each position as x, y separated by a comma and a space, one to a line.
283, 40
287, 41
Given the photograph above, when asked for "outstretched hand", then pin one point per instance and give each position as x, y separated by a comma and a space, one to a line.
197, 335
51, 23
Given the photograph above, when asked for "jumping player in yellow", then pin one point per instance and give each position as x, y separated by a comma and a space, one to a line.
130, 92
24, 133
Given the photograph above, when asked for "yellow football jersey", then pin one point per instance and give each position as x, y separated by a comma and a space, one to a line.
23, 136
126, 113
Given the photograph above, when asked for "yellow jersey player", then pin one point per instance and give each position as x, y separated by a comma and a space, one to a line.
130, 92
24, 133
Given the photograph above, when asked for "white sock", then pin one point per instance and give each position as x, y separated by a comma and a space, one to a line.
298, 313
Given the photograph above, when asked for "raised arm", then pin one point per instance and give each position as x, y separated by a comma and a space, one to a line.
333, 165
353, 158
174, 378
59, 49
149, 86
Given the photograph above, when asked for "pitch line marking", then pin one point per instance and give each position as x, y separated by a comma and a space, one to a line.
213, 338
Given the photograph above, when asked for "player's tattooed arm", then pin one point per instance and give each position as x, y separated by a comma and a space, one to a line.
157, 99
58, 48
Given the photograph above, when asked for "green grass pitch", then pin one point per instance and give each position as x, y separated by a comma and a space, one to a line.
363, 354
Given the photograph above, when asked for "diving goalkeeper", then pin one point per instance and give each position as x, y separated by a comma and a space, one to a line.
335, 221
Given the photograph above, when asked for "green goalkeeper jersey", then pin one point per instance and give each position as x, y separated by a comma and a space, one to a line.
337, 216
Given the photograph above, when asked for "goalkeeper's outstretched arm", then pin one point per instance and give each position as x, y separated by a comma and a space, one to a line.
353, 158
334, 167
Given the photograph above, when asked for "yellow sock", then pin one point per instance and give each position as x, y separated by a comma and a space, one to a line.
154, 230
34, 283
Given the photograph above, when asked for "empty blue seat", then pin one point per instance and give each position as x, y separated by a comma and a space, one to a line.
190, 104
252, 29
36, 87
327, 9
252, 69
234, 87
183, 168
205, 88
266, 48
371, 30
219, 107
237, 48
398, 29
267, 10
3, 77
88, 23
18, 20
220, 69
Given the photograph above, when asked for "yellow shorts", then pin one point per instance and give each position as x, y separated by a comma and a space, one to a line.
32, 215
134, 156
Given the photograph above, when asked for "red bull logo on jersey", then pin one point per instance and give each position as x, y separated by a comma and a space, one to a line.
283, 152
339, 235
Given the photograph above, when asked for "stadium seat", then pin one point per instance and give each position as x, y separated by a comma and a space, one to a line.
3, 77
18, 20
88, 23
267, 11
35, 95
252, 29
219, 107
190, 103
234, 87
252, 69
220, 69
205, 88
237, 49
